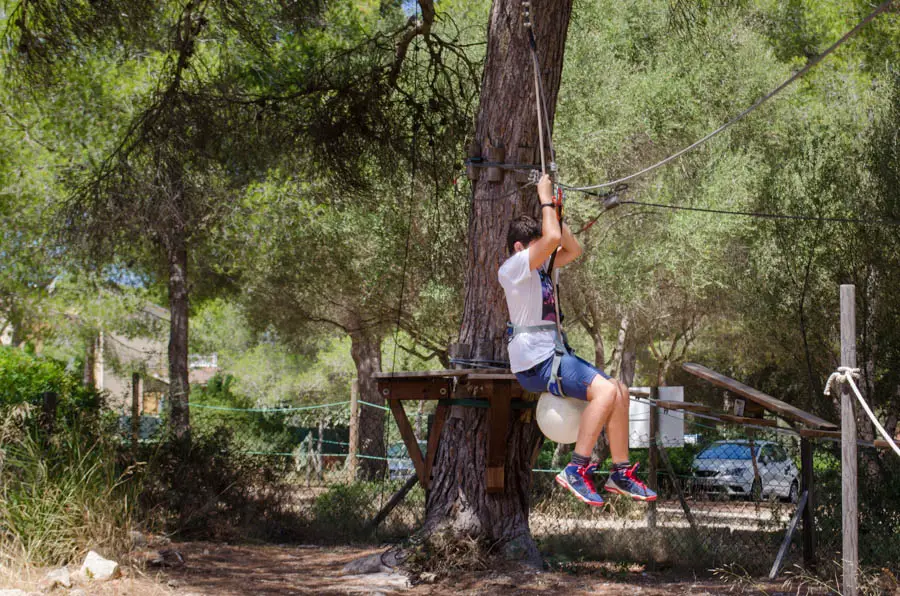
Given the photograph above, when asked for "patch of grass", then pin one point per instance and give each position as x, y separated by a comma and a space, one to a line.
60, 495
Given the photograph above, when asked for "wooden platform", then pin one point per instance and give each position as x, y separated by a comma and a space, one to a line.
498, 389
774, 405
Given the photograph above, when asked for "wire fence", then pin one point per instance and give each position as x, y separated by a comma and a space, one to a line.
727, 493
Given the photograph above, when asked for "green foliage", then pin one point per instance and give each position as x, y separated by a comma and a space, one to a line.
24, 377
63, 495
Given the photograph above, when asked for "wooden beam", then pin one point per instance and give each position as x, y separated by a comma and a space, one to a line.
415, 389
409, 439
743, 420
806, 485
434, 438
772, 404
682, 405
664, 456
498, 426
801, 507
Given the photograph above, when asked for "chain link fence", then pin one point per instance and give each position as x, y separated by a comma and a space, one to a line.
727, 493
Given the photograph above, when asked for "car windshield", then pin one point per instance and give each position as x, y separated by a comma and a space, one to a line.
726, 451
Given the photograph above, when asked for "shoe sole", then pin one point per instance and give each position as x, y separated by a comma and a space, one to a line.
619, 491
569, 488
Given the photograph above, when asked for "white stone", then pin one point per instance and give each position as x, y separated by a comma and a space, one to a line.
57, 577
96, 567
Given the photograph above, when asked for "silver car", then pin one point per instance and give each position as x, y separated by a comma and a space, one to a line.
400, 465
726, 467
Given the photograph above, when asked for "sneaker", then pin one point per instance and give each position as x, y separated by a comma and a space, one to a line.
580, 482
624, 482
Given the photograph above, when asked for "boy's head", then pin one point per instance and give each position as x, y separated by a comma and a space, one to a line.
523, 230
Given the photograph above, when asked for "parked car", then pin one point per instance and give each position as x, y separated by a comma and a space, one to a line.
726, 467
399, 463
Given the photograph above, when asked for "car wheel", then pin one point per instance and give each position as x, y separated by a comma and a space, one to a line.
794, 493
756, 490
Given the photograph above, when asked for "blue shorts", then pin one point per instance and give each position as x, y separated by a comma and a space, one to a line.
575, 374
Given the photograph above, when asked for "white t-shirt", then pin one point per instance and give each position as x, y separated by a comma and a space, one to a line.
530, 300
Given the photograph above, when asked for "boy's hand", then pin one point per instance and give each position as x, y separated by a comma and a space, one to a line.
545, 189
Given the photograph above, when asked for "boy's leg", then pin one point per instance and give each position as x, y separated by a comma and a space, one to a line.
621, 478
578, 476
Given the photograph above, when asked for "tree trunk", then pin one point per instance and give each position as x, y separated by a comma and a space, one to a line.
458, 498
365, 348
179, 386
89, 350
621, 337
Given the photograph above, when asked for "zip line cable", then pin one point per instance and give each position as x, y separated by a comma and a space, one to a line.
782, 216
809, 65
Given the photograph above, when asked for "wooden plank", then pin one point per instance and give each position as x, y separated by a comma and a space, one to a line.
801, 507
490, 376
409, 438
429, 374
434, 438
498, 425
406, 389
849, 502
395, 500
772, 404
682, 405
816, 433
746, 420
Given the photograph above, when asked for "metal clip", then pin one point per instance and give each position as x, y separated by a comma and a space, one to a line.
534, 176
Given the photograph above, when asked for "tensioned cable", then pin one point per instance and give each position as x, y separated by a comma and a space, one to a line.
873, 222
809, 65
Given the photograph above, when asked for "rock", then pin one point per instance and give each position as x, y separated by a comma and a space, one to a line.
97, 568
57, 577
368, 564
428, 577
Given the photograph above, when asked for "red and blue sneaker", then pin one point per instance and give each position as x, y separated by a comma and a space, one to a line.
622, 481
579, 480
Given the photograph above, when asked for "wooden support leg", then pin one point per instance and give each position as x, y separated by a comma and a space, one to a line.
801, 507
409, 439
498, 426
434, 439
653, 480
664, 456
809, 525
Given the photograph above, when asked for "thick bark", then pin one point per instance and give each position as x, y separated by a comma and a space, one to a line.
365, 348
507, 117
179, 386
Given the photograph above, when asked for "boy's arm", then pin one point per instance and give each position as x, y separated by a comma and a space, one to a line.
570, 249
551, 235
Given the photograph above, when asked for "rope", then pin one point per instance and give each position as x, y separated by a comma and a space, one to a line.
809, 65
847, 374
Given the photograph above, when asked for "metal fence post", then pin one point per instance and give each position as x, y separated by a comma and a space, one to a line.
849, 502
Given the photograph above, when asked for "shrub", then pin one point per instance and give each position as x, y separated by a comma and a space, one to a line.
61, 495
25, 377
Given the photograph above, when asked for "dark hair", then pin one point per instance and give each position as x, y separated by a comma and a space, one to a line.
522, 229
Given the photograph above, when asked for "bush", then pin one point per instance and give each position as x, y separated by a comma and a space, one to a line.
211, 489
25, 377
61, 495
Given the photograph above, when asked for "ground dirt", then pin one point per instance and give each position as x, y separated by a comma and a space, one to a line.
224, 570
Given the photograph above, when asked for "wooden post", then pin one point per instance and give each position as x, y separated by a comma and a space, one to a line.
671, 471
806, 486
654, 461
137, 395
353, 449
849, 506
801, 507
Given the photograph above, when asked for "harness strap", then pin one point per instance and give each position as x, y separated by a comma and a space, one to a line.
554, 386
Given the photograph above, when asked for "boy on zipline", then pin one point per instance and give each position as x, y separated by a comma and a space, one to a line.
541, 361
